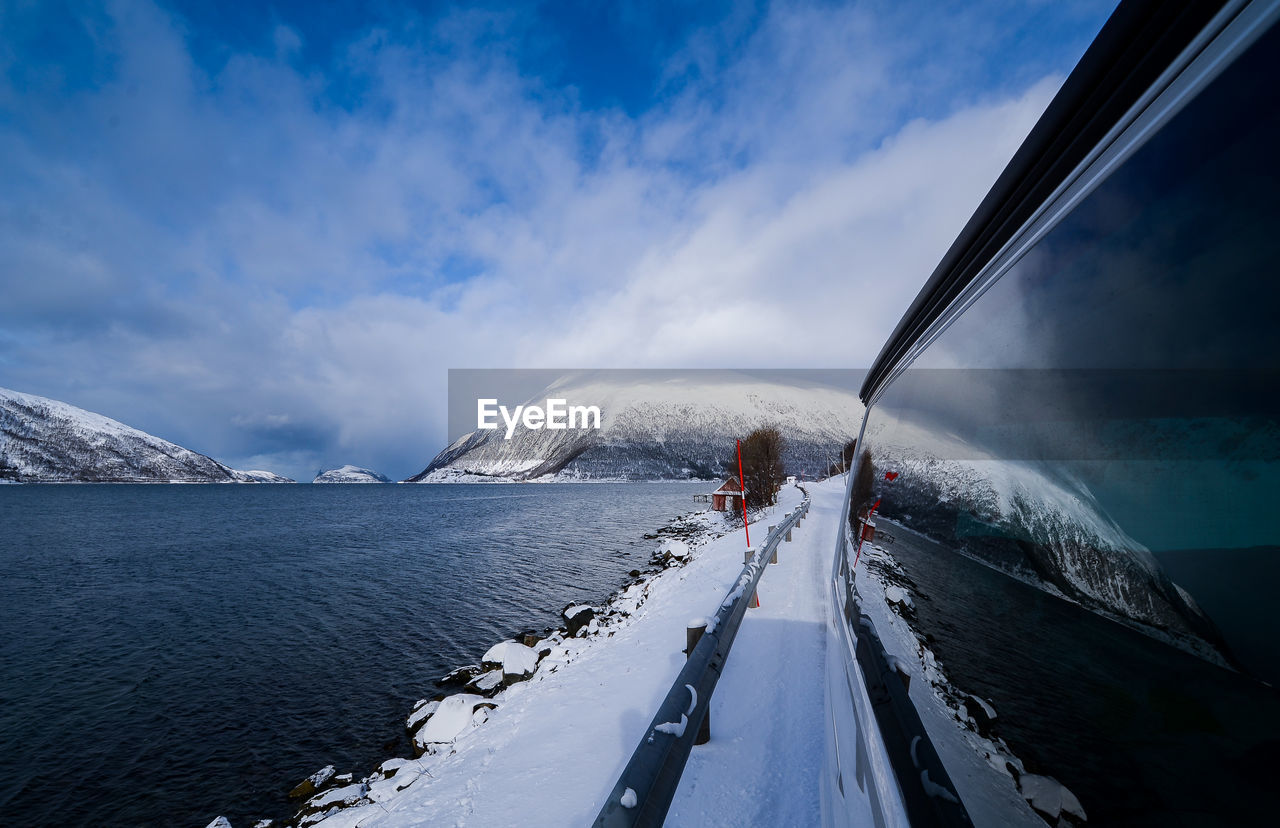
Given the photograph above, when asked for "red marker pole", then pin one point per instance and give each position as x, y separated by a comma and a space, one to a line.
742, 481
859, 552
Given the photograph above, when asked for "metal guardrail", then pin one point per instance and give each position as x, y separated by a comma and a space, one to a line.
643, 793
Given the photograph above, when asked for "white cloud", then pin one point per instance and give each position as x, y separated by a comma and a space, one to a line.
238, 263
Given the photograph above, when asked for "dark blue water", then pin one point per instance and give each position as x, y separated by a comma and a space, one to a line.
1143, 733
171, 653
1236, 587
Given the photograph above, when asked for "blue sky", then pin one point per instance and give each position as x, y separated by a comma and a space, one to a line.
265, 231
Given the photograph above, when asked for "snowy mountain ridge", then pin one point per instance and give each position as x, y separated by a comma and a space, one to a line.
1046, 530
48, 441
672, 428
350, 474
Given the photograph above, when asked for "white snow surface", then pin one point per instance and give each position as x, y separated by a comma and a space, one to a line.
562, 738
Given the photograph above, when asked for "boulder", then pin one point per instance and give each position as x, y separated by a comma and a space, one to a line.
462, 675
982, 713
486, 684
343, 797
1050, 798
390, 768
516, 661
450, 720
578, 617
900, 601
421, 712
673, 552
315, 782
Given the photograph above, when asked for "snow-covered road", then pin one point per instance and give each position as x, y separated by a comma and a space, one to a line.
764, 760
551, 751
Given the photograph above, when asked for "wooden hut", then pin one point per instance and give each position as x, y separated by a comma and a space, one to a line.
725, 498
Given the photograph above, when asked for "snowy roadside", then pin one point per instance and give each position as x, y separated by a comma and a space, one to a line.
991, 780
539, 735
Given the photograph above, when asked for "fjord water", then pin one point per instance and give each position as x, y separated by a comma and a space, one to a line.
171, 653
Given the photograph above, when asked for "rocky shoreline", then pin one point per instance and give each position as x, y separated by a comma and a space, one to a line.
467, 694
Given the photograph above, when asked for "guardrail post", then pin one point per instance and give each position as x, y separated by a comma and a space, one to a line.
755, 596
693, 634
773, 559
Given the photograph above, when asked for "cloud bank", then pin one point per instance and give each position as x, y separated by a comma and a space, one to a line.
274, 261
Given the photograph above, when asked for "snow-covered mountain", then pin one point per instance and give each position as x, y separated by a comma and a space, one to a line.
350, 474
672, 428
47, 441
1037, 523
261, 476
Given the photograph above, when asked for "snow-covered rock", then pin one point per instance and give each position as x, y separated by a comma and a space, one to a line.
982, 713
452, 718
673, 551
308, 787
350, 474
661, 428
422, 711
342, 797
47, 441
462, 675
391, 767
577, 617
896, 596
516, 660
1050, 798
486, 683
220, 822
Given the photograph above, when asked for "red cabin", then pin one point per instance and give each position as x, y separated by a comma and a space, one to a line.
725, 498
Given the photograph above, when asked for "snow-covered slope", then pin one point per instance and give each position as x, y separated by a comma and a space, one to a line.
659, 429
47, 441
350, 474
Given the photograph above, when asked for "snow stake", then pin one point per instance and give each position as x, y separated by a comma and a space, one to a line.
742, 481
693, 634
755, 594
